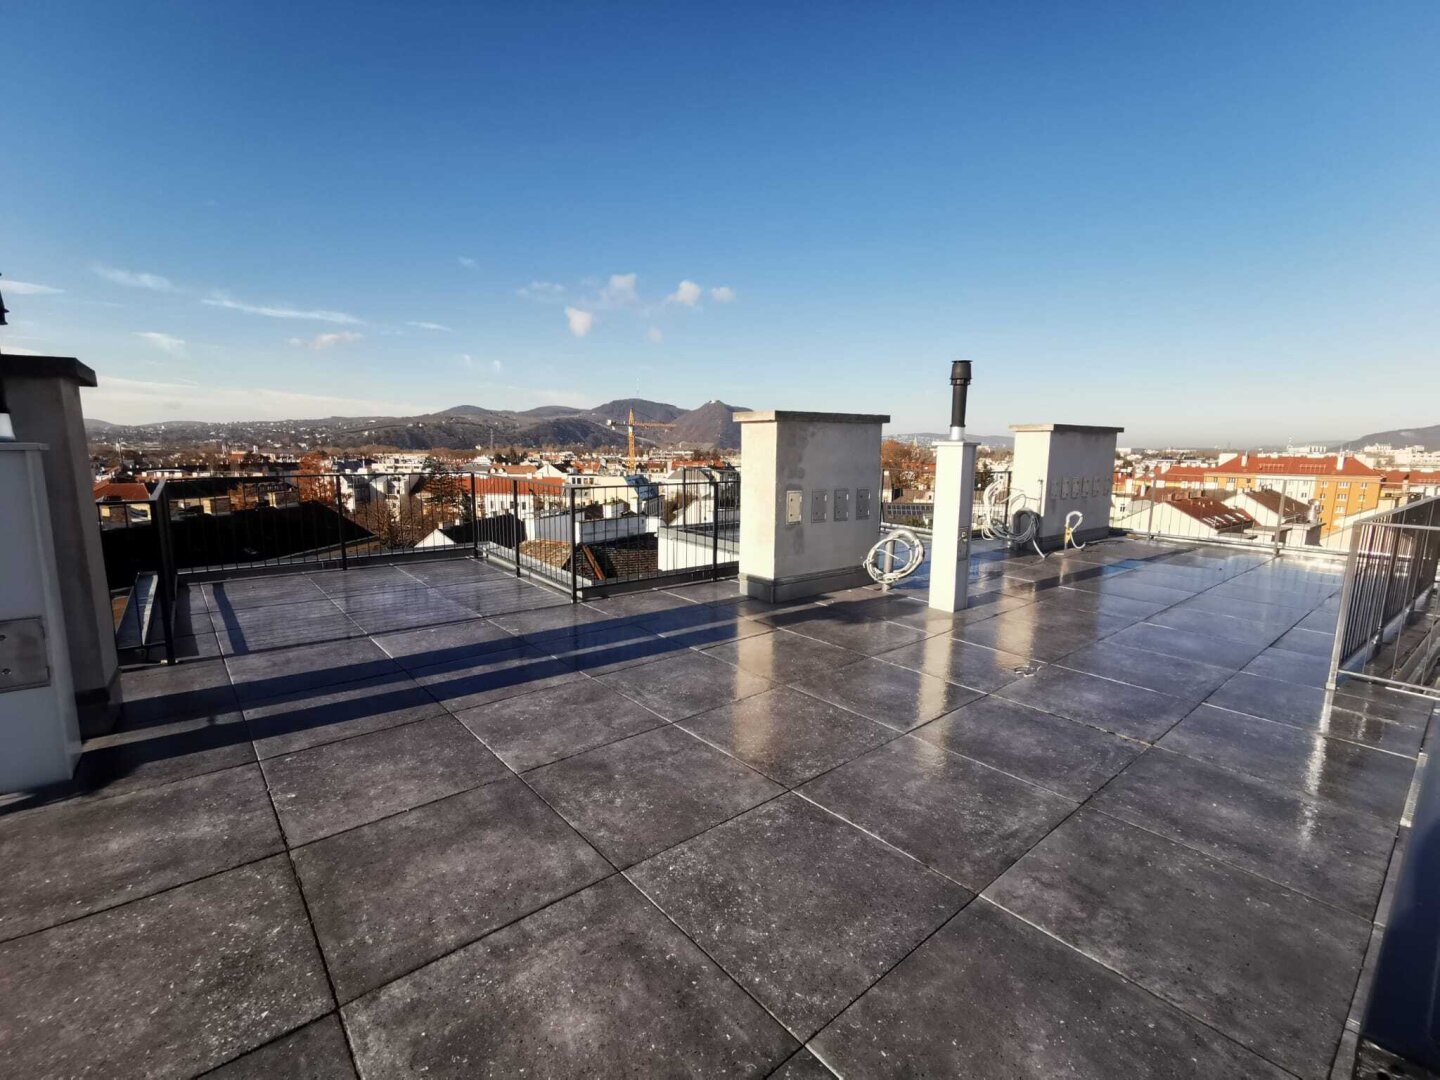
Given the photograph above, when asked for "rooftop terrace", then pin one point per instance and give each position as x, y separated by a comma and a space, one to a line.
434, 819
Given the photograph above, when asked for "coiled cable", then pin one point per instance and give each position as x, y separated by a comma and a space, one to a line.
889, 573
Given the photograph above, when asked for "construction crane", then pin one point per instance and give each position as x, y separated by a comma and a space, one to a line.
630, 425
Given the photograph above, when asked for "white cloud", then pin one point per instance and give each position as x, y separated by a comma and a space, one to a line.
133, 280
280, 312
686, 293
429, 326
655, 334
134, 401
327, 341
722, 294
467, 262
467, 361
541, 290
166, 342
26, 288
620, 290
580, 321
496, 366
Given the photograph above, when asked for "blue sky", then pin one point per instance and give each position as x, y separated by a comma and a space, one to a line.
1205, 222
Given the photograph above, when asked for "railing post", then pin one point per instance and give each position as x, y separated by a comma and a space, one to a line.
1342, 622
474, 521
1150, 517
340, 525
167, 570
574, 550
714, 528
1280, 515
515, 521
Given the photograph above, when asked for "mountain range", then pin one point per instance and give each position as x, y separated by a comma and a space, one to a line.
1428, 437
460, 427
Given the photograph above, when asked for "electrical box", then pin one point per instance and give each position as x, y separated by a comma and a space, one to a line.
806, 496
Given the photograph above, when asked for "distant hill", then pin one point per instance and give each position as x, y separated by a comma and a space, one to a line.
711, 425
459, 427
1428, 437
655, 412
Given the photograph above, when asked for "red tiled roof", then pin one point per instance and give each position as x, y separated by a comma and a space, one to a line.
1213, 513
1292, 465
122, 492
1182, 472
500, 485
1411, 476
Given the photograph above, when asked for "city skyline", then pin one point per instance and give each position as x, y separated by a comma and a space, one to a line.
1209, 226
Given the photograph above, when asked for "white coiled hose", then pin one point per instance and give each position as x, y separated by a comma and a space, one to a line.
887, 573
1011, 519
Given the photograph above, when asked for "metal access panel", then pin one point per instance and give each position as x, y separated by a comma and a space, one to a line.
23, 661
794, 506
819, 505
862, 504
842, 504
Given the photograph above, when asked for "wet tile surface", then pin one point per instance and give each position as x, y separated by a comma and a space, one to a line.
600, 983
641, 795
1334, 770
686, 683
804, 911
781, 656
536, 729
482, 930
1127, 710
956, 660
991, 996
170, 985
788, 735
1317, 848
82, 856
1049, 751
1264, 965
395, 894
889, 694
964, 819
344, 784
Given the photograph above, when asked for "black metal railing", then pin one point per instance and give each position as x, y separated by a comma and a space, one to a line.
1390, 577
585, 534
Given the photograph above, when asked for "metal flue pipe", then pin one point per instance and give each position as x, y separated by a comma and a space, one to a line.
959, 390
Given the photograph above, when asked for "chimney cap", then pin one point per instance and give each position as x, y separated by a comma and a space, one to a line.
960, 372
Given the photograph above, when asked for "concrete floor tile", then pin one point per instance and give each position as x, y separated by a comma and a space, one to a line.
644, 794
803, 909
183, 692
160, 753
1345, 773
1260, 963
1187, 645
344, 784
535, 729
493, 676
781, 656
1057, 754
80, 856
170, 985
788, 735
1189, 680
1132, 711
1318, 848
889, 694
317, 1051
256, 630
975, 666
309, 718
598, 984
966, 820
395, 894
686, 683
266, 675
990, 996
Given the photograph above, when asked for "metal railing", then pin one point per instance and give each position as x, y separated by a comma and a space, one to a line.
588, 535
1386, 633
1283, 517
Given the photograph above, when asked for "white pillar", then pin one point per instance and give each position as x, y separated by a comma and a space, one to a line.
38, 725
950, 548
